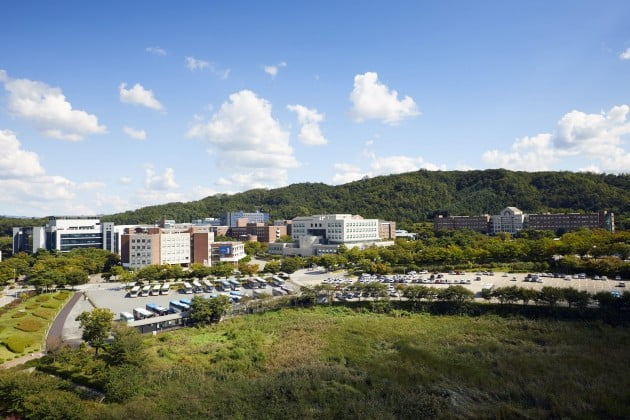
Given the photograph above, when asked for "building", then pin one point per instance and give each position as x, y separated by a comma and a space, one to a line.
257, 232
400, 233
28, 239
65, 233
322, 234
227, 252
386, 230
571, 221
231, 218
476, 223
143, 246
510, 220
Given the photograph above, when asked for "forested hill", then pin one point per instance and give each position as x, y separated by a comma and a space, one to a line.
413, 196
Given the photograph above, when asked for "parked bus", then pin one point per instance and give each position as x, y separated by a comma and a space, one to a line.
156, 309
188, 288
126, 317
197, 286
176, 306
262, 283
133, 293
207, 285
166, 289
145, 291
252, 283
155, 290
235, 284
277, 281
278, 292
225, 285
186, 302
141, 313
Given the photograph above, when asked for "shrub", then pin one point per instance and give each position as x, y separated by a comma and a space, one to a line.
16, 343
29, 325
32, 306
61, 296
18, 314
42, 298
43, 314
50, 305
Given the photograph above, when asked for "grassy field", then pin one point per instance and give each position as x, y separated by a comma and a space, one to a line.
22, 328
333, 362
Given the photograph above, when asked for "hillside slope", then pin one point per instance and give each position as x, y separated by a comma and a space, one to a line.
413, 196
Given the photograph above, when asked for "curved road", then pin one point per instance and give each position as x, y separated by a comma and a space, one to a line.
54, 333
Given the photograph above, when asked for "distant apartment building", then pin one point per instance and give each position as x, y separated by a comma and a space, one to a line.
65, 233
231, 218
476, 223
321, 234
510, 220
571, 221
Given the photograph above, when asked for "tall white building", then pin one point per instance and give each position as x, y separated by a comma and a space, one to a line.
510, 220
174, 246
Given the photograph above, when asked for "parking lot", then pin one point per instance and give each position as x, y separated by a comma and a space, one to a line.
475, 281
114, 296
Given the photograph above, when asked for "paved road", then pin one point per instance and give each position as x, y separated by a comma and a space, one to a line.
54, 337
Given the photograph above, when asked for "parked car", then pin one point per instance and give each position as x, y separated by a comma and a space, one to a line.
621, 284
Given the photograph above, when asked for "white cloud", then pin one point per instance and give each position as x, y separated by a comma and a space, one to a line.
156, 51
310, 133
138, 95
91, 185
591, 168
152, 181
382, 165
125, 180
135, 134
261, 178
14, 161
151, 197
195, 64
594, 136
248, 141
386, 165
527, 154
374, 100
198, 192
273, 70
625, 55
48, 109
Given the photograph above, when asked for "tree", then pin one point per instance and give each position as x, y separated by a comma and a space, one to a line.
76, 276
127, 348
527, 295
550, 295
222, 270
576, 298
96, 326
248, 269
205, 311
285, 238
458, 294
291, 264
272, 266
200, 271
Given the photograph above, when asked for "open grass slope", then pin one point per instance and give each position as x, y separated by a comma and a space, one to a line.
334, 362
22, 328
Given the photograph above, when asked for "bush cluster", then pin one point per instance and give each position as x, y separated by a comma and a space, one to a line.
17, 343
18, 315
29, 325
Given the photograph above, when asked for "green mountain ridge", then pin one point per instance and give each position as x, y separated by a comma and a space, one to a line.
413, 196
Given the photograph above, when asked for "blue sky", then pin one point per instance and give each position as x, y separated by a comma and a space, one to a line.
108, 106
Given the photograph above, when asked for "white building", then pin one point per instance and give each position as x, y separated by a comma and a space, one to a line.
336, 228
510, 220
322, 234
174, 246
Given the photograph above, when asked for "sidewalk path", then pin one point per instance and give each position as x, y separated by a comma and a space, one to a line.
55, 333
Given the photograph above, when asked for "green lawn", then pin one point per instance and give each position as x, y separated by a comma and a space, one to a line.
25, 325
